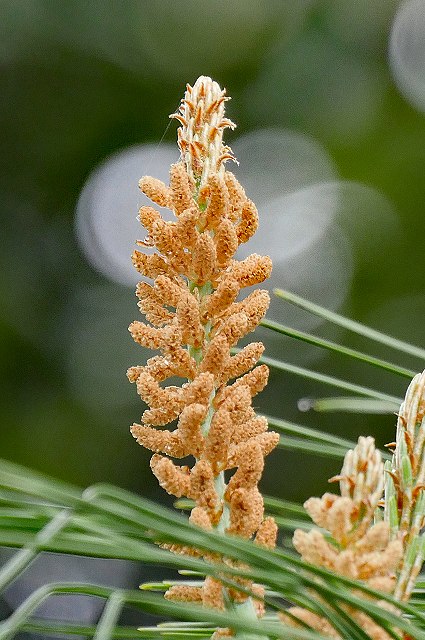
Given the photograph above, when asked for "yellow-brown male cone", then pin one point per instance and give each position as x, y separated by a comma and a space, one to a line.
194, 320
355, 546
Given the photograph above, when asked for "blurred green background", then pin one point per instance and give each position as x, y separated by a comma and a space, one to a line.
81, 80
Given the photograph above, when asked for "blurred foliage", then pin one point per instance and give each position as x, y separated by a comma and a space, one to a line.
82, 79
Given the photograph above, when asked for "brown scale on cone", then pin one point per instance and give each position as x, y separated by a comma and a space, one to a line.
194, 321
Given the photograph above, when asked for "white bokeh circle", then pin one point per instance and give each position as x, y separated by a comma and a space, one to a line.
106, 219
274, 162
407, 51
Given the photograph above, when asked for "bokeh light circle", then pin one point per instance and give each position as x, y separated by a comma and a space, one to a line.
310, 252
407, 51
278, 161
106, 221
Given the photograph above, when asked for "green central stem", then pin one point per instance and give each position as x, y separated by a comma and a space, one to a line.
245, 609
198, 355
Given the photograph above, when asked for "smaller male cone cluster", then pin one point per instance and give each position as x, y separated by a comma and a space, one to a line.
195, 319
358, 549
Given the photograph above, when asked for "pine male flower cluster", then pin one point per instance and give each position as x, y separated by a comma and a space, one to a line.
194, 319
384, 549
358, 548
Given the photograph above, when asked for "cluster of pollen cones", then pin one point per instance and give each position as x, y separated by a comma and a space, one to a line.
383, 548
350, 542
195, 316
